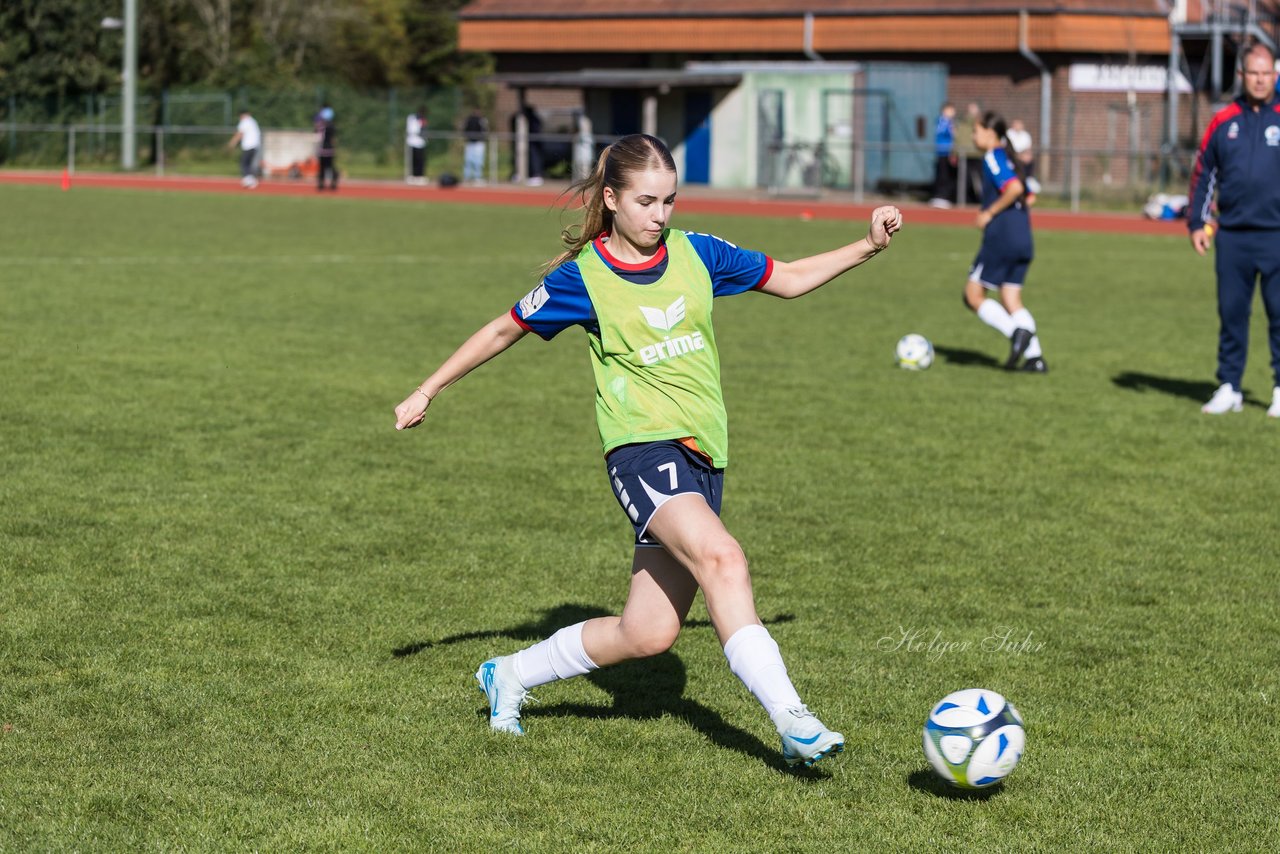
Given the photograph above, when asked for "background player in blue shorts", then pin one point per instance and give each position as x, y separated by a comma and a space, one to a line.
643, 293
1007, 249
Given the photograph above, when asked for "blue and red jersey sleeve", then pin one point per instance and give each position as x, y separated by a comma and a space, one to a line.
1204, 175
733, 270
997, 164
561, 299
558, 302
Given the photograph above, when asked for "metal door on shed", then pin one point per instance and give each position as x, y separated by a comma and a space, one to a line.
697, 137
900, 104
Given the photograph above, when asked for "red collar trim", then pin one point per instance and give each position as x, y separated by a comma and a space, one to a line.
603, 248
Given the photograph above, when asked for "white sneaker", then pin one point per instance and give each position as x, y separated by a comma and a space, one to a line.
1226, 399
1274, 409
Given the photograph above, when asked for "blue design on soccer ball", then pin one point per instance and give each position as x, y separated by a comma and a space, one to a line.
974, 738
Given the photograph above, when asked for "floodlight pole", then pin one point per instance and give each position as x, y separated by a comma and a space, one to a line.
128, 142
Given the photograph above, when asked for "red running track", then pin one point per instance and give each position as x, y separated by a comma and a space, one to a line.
695, 200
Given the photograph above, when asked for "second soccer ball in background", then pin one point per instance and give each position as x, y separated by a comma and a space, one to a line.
914, 352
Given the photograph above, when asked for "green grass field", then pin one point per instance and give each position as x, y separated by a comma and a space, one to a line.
239, 611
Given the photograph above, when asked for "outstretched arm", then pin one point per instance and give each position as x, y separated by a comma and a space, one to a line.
491, 339
791, 279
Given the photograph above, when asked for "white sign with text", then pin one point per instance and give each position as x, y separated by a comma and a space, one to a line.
1094, 77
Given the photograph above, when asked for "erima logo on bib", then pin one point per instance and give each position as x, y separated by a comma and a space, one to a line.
664, 319
668, 347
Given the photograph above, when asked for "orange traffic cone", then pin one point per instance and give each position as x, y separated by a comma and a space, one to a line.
66, 180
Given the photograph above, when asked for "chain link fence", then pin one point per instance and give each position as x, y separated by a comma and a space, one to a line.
1077, 177
191, 130
186, 131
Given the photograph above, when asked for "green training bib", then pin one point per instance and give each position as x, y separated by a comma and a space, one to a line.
655, 362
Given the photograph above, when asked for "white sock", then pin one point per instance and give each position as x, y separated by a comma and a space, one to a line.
558, 657
1022, 319
754, 658
993, 314
1033, 349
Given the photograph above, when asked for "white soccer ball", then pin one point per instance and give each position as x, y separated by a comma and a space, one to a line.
974, 738
914, 352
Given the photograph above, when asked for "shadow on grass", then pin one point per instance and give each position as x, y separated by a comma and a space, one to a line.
925, 780
644, 689
968, 358
554, 619
1193, 390
1197, 390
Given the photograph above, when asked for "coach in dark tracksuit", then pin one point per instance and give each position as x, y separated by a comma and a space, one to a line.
1240, 159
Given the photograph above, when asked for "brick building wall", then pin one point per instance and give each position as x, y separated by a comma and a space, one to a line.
1116, 142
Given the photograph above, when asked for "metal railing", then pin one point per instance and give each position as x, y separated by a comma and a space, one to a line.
1075, 176
173, 149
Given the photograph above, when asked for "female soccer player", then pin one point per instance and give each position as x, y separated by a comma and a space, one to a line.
643, 292
1007, 250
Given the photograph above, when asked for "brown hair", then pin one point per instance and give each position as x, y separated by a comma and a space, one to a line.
1257, 47
617, 163
991, 120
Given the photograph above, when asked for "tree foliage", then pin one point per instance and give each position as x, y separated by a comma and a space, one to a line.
58, 47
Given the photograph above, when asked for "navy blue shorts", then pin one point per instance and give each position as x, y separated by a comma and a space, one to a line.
646, 476
993, 271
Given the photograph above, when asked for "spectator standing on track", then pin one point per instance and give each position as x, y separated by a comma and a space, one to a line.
476, 133
535, 145
326, 148
1240, 158
965, 150
415, 138
944, 170
249, 136
1020, 141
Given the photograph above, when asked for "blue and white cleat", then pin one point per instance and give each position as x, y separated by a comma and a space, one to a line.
804, 737
506, 694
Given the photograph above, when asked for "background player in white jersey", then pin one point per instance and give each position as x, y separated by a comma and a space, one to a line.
1007, 248
643, 292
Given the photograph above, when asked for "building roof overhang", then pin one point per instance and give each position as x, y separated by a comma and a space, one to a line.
618, 78
711, 29
694, 75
